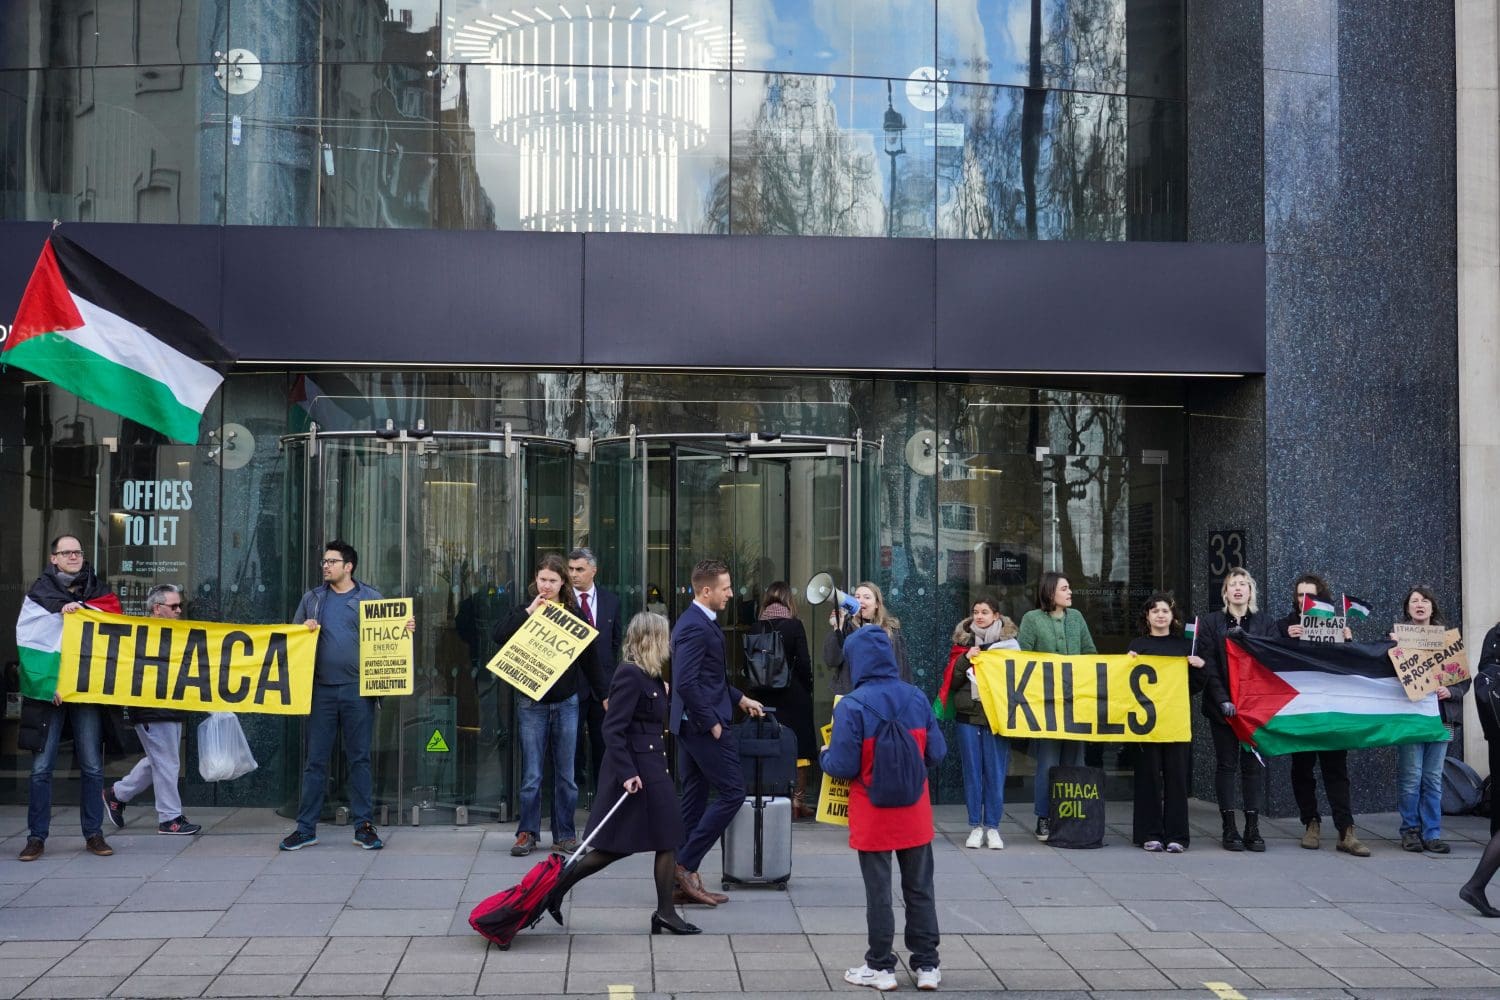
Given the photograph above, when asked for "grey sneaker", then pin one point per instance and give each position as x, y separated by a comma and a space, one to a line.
928, 979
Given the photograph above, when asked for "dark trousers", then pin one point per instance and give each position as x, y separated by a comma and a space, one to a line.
337, 709
591, 722
1494, 753
1335, 765
1230, 757
707, 764
921, 907
1163, 776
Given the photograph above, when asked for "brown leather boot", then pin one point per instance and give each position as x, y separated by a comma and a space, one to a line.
689, 889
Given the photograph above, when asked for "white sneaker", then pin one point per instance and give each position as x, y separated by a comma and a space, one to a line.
928, 979
993, 842
878, 979
976, 837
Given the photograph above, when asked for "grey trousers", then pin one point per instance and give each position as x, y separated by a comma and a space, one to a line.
921, 907
158, 769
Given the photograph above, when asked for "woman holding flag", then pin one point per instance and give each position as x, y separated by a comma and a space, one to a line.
1419, 781
1164, 771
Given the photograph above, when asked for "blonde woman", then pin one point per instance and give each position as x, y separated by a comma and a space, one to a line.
871, 612
635, 761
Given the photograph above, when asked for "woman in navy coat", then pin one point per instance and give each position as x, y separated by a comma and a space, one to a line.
635, 761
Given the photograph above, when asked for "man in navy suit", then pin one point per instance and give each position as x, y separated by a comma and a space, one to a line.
602, 610
703, 703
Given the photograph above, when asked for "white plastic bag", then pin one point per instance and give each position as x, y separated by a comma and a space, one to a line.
223, 753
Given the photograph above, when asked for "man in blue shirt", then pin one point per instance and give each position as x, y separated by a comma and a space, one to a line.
332, 611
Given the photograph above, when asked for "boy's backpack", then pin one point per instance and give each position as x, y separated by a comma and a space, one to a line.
898, 775
765, 659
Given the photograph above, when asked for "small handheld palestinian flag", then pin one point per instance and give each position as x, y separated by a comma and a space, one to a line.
1314, 608
87, 328
1190, 630
1355, 609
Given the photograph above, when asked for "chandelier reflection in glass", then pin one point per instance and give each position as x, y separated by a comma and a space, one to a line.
600, 149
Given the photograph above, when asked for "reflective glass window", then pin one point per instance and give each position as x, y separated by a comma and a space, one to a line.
893, 38
371, 31
276, 31
570, 149
274, 154
1075, 44
832, 156
690, 34
48, 34
122, 144
377, 167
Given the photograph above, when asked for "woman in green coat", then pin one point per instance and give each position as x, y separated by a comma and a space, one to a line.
1055, 627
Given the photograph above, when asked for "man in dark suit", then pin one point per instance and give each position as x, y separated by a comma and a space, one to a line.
602, 610
703, 703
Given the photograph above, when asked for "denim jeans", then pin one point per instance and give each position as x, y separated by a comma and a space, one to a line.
88, 751
1050, 754
548, 731
985, 758
337, 709
1420, 788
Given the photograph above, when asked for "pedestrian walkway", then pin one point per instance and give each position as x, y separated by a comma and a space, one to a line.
226, 914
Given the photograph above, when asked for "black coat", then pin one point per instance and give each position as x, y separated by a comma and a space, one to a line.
635, 745
1212, 629
581, 675
793, 703
833, 654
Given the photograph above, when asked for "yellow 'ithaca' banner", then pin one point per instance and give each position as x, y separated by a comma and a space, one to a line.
1106, 699
542, 650
194, 666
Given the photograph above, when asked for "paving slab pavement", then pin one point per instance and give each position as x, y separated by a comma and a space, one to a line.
227, 914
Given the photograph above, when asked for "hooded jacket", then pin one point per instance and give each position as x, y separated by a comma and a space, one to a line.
851, 752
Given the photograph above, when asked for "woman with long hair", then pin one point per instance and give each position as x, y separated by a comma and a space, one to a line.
1419, 769
793, 703
872, 611
547, 727
1164, 771
635, 762
984, 755
1055, 626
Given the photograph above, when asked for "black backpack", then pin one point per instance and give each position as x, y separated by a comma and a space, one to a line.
898, 774
765, 659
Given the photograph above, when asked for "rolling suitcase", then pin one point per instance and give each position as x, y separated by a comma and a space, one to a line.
757, 845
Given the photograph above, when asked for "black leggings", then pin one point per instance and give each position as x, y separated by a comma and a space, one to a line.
596, 861
1229, 757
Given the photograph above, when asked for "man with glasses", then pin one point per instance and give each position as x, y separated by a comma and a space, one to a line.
332, 611
67, 585
160, 732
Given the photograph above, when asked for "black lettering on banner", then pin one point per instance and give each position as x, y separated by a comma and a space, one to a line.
1070, 724
195, 650
226, 653
115, 631
1146, 721
1015, 692
195, 675
161, 661
85, 656
1049, 707
1101, 700
276, 658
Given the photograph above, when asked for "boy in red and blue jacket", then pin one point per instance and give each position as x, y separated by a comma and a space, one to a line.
875, 831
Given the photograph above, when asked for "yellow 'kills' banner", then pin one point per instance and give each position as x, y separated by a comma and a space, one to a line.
194, 666
385, 647
1107, 699
542, 650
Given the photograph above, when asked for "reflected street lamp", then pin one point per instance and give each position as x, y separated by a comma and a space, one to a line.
895, 145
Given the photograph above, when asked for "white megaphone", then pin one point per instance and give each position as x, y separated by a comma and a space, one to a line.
820, 588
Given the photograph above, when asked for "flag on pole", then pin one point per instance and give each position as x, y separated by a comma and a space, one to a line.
1190, 630
1355, 609
1314, 608
87, 328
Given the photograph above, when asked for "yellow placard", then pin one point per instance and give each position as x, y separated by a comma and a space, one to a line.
385, 647
542, 650
1107, 699
193, 666
833, 794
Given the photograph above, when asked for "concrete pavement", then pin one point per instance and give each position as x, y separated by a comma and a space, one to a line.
226, 914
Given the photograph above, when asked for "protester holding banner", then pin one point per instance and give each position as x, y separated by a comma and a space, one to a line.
984, 756
635, 759
548, 727
332, 611
68, 584
1419, 780
871, 612
1334, 763
160, 733
1164, 771
793, 703
1241, 613
1055, 626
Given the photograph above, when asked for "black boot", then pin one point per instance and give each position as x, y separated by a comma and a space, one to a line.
1232, 841
1253, 840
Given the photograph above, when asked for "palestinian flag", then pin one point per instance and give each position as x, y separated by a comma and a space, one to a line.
1355, 609
1315, 608
1291, 696
87, 328
942, 705
1190, 633
39, 642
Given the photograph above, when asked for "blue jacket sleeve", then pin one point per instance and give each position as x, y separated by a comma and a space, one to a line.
937, 747
844, 755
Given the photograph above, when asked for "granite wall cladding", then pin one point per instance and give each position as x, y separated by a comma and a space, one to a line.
1224, 70
1361, 424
